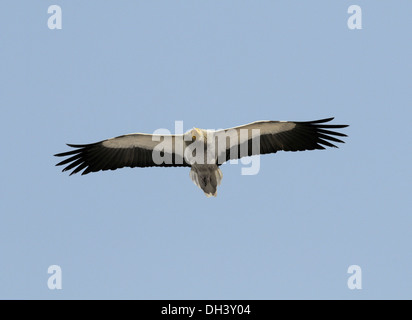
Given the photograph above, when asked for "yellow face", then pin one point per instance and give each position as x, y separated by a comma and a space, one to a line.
195, 133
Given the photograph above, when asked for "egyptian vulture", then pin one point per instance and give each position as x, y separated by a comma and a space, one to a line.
202, 150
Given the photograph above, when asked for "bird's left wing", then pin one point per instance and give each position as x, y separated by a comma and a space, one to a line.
131, 150
273, 136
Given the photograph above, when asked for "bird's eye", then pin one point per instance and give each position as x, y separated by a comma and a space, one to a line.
194, 137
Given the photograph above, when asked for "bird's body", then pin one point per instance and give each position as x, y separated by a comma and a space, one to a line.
202, 150
206, 174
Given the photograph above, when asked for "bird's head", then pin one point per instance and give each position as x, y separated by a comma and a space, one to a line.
194, 135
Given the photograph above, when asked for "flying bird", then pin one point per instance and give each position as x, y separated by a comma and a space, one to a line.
202, 150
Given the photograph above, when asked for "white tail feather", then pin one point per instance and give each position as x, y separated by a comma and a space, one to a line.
207, 177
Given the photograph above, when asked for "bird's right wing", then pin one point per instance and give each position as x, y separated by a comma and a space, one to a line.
131, 150
274, 136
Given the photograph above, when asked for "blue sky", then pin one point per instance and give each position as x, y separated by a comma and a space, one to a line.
291, 231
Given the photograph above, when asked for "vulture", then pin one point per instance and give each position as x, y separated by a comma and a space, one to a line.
204, 151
